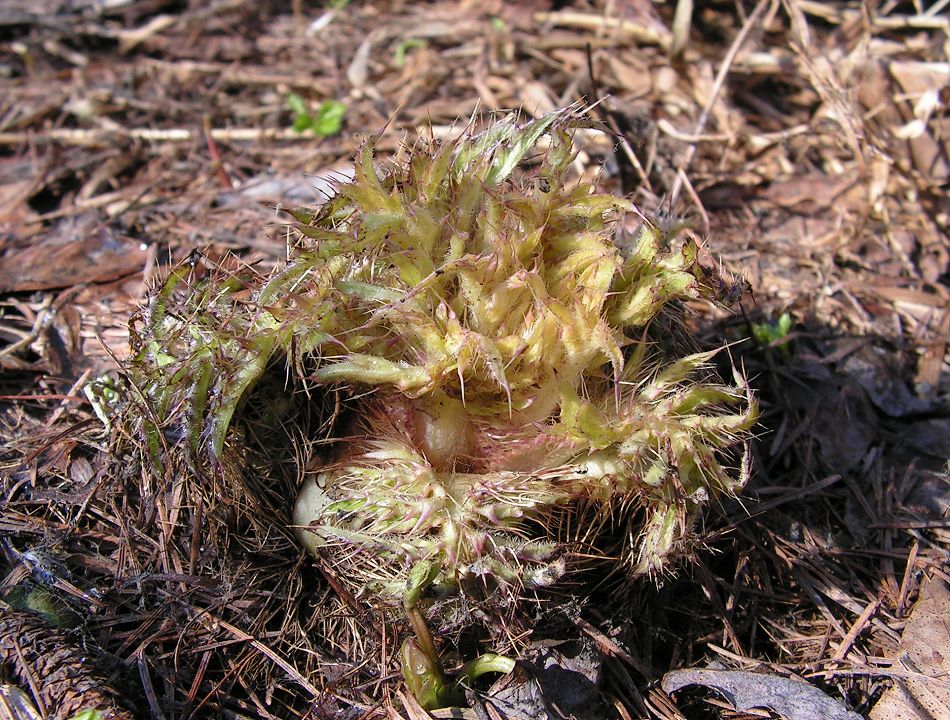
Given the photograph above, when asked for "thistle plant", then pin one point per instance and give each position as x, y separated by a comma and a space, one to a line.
496, 347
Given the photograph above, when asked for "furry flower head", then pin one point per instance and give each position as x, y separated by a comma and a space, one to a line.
495, 347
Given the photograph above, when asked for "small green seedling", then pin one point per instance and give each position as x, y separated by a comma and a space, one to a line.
88, 715
421, 666
327, 120
403, 49
768, 334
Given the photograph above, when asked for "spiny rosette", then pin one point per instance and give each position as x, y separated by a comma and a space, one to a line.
491, 335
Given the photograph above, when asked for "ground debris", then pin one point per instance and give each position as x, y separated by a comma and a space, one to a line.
139, 133
792, 699
60, 676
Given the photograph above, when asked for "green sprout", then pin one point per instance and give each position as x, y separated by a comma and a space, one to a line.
421, 666
773, 334
325, 122
87, 715
403, 48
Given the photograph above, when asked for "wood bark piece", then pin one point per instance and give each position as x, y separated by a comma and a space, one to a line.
60, 678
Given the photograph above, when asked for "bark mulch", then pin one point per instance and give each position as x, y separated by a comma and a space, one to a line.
808, 141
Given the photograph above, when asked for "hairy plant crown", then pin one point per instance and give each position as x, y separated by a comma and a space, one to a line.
491, 336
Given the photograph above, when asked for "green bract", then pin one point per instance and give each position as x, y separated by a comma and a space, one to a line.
491, 336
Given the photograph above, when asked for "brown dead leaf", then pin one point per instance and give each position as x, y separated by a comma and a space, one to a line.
74, 251
882, 379
792, 699
925, 653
